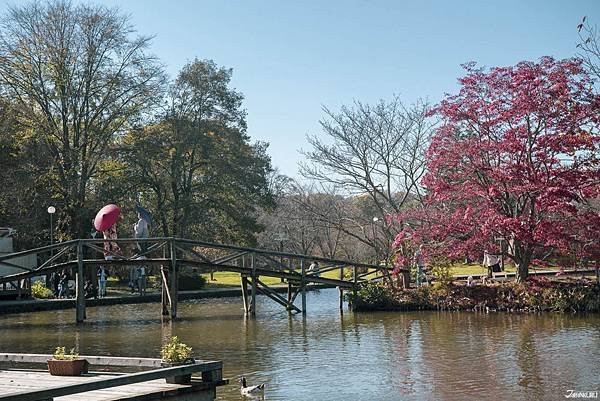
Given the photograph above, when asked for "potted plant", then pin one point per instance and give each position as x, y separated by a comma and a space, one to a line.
176, 353
66, 364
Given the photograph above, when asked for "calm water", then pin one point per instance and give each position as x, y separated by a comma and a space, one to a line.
328, 356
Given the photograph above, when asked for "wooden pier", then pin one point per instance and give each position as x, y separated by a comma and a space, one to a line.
18, 384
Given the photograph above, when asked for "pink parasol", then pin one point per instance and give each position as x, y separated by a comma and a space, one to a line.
106, 217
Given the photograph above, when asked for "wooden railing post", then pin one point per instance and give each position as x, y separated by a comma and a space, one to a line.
79, 281
303, 285
253, 300
289, 287
355, 281
174, 290
164, 298
341, 289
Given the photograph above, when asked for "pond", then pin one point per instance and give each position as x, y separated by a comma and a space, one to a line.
327, 355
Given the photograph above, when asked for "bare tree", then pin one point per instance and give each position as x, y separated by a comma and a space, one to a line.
80, 79
375, 157
589, 47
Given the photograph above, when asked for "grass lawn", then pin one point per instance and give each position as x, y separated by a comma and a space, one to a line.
479, 269
230, 279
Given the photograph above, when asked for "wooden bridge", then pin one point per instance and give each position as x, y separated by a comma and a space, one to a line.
171, 255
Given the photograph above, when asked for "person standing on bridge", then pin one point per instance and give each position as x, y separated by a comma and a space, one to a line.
111, 248
314, 269
140, 231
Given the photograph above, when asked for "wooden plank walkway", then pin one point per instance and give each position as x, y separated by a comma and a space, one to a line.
16, 381
39, 385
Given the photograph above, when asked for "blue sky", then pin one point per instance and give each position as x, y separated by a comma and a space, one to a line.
290, 58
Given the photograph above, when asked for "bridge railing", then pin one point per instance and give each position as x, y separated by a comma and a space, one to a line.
206, 256
170, 255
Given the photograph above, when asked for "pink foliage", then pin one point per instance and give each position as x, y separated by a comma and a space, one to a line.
516, 156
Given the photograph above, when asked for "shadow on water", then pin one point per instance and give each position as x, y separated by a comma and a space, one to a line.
349, 356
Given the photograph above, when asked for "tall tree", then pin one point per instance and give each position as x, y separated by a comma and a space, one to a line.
79, 78
24, 174
376, 151
196, 165
516, 158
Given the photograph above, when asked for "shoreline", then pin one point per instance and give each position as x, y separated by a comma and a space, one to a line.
37, 305
534, 296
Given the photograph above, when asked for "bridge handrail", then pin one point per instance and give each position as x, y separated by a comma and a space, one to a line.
281, 254
38, 250
196, 243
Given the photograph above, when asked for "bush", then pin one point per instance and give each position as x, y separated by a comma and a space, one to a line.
536, 294
190, 281
39, 291
372, 294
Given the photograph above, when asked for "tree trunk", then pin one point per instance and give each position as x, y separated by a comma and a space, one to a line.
522, 258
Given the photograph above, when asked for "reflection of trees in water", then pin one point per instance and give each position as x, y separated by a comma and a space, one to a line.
408, 355
528, 362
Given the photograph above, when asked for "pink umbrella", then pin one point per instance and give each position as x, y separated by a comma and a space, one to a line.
106, 217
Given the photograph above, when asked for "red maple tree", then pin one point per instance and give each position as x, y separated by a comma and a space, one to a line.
515, 158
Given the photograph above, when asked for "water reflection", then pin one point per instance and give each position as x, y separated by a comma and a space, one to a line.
333, 356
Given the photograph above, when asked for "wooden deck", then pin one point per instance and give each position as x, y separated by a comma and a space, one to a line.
13, 382
19, 384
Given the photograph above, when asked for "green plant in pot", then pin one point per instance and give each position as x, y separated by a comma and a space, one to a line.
176, 353
66, 364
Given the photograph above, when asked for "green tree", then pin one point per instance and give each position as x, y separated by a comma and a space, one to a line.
79, 79
24, 174
196, 166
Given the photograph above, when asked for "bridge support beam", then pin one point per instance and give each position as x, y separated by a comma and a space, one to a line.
164, 293
303, 285
244, 284
79, 291
269, 292
289, 285
253, 294
173, 284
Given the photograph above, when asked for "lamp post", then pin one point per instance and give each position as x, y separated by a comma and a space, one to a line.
375, 246
51, 211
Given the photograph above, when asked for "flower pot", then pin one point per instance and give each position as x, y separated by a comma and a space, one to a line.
180, 379
62, 367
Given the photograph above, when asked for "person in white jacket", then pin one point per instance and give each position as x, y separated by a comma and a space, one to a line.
491, 261
140, 230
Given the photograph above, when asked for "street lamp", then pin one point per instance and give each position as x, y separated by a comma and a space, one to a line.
51, 211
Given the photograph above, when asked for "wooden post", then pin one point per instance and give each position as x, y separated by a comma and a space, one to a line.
244, 284
164, 286
253, 302
303, 286
341, 289
355, 281
79, 279
174, 290
289, 289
